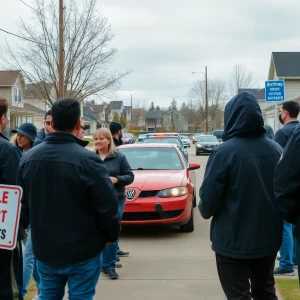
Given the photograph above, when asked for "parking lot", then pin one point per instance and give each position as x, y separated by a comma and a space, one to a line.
165, 263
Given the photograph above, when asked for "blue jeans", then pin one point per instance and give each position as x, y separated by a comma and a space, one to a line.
29, 265
297, 243
110, 251
287, 252
81, 278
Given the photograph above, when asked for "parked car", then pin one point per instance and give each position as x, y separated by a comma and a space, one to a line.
205, 143
163, 138
218, 133
164, 187
141, 137
128, 138
186, 140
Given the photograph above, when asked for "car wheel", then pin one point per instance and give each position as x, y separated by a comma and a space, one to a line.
197, 153
189, 226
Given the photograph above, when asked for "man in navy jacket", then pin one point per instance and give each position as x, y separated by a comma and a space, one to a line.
237, 191
288, 117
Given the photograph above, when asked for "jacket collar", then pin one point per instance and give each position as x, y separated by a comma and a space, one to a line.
3, 136
112, 155
62, 138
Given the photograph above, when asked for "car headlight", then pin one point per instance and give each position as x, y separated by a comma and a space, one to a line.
199, 145
173, 192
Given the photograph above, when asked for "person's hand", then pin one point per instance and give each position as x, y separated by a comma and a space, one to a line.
114, 180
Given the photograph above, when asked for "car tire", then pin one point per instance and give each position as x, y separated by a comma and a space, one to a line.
197, 153
189, 226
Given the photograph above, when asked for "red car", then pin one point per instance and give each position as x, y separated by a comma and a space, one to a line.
164, 187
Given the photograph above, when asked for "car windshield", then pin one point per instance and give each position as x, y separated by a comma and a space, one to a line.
127, 135
206, 138
153, 158
163, 140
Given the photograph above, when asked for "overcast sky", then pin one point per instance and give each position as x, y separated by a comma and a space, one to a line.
163, 41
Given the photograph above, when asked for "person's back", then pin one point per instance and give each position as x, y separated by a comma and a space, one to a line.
73, 210
237, 192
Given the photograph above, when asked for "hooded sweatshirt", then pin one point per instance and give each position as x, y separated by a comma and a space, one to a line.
269, 132
237, 190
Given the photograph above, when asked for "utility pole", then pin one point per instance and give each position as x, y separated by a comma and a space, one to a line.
131, 113
206, 102
61, 50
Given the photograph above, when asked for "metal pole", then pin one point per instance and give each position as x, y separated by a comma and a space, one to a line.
131, 113
206, 102
61, 50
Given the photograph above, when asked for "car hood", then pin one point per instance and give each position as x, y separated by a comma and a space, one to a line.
148, 180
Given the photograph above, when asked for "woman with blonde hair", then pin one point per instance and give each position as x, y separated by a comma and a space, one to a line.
121, 175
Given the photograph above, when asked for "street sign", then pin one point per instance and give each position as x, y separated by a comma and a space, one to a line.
10, 207
274, 90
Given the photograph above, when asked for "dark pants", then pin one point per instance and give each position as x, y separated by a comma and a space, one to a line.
11, 273
246, 279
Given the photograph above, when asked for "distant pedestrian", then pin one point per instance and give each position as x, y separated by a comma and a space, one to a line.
121, 175
269, 132
237, 192
287, 185
287, 259
116, 131
11, 262
73, 210
47, 128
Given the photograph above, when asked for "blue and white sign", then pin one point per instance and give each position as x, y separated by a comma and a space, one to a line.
274, 90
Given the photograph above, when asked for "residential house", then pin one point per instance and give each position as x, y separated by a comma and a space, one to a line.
284, 66
127, 112
37, 94
116, 107
11, 87
153, 120
89, 119
39, 115
139, 118
174, 121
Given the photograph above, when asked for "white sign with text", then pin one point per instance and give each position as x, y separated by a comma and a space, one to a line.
10, 208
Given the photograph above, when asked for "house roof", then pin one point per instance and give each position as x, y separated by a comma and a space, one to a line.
258, 93
154, 114
96, 108
22, 110
31, 91
127, 109
34, 109
287, 64
9, 77
116, 104
87, 112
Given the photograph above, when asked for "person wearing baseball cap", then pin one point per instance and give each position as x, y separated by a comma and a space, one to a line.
26, 134
116, 131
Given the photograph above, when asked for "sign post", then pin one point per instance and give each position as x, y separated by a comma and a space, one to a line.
275, 92
10, 207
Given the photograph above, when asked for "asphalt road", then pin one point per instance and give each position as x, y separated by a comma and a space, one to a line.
165, 263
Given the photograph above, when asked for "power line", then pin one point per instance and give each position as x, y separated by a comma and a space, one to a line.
24, 38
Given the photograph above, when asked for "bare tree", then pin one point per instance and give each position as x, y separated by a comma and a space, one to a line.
240, 78
216, 100
87, 51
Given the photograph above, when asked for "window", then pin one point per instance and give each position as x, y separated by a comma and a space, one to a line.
17, 95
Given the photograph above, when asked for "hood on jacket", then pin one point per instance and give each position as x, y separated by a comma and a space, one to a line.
269, 132
243, 117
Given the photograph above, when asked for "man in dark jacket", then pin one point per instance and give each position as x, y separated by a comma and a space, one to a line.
237, 191
44, 131
11, 262
287, 185
287, 260
73, 211
116, 131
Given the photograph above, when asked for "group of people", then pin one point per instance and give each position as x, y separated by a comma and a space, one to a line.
251, 188
72, 204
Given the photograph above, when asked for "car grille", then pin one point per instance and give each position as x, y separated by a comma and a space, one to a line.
148, 194
209, 146
153, 215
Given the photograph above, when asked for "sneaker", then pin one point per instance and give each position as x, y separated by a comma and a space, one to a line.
118, 265
113, 274
118, 258
104, 271
281, 272
122, 253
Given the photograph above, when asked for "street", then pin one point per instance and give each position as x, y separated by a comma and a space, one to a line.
165, 263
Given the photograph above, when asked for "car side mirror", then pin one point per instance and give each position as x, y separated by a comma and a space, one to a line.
194, 166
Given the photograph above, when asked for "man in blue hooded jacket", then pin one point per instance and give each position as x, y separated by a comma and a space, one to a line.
237, 191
